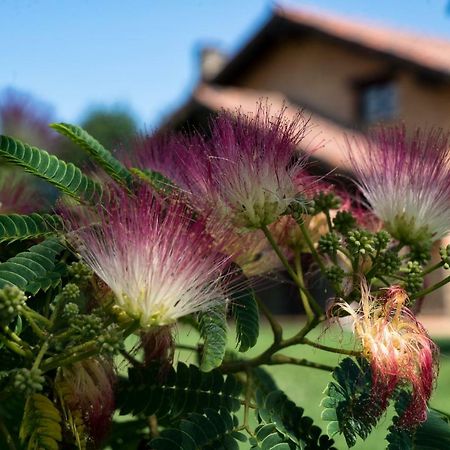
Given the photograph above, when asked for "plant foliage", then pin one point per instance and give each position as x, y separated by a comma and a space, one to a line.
213, 329
349, 406
41, 424
17, 227
33, 269
209, 430
175, 393
65, 176
284, 425
103, 157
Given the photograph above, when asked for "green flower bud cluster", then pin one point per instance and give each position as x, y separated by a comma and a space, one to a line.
111, 341
70, 292
344, 222
71, 310
382, 239
87, 326
335, 274
325, 201
11, 301
361, 242
329, 243
445, 256
421, 253
388, 263
414, 279
297, 208
80, 272
28, 381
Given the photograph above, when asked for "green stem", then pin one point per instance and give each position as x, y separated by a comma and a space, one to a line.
279, 253
42, 351
330, 349
284, 359
311, 247
432, 268
274, 324
38, 317
307, 299
16, 338
82, 351
330, 225
430, 289
34, 326
15, 348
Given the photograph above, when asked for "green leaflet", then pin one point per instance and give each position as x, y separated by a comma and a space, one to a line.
284, 426
245, 311
213, 329
15, 227
32, 269
349, 406
433, 434
155, 179
65, 176
41, 424
103, 157
211, 430
173, 393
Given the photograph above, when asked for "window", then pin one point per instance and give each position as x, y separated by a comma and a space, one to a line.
378, 102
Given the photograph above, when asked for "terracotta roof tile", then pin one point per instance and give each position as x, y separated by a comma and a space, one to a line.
431, 52
325, 141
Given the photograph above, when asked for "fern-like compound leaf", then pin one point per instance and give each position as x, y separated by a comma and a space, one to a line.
65, 176
284, 425
350, 406
209, 430
17, 227
175, 393
245, 310
213, 329
31, 270
41, 424
433, 434
113, 167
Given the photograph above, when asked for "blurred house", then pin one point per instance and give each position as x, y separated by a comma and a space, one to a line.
345, 74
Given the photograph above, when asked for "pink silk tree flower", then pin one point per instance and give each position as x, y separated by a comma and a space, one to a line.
246, 169
406, 181
398, 348
157, 260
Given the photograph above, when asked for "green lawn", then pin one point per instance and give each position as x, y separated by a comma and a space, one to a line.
305, 386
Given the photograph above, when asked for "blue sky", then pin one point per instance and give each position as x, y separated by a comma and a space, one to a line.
143, 53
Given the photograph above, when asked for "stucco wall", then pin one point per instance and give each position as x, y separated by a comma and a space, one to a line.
321, 75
